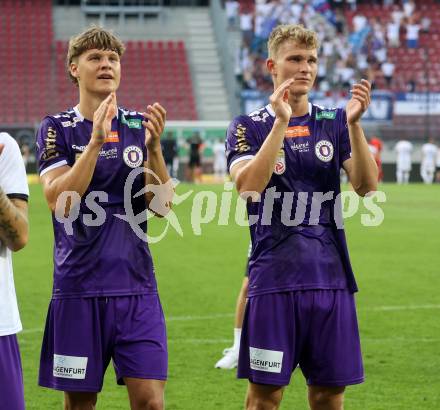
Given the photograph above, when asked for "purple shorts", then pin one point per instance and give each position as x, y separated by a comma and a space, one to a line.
316, 329
83, 334
11, 374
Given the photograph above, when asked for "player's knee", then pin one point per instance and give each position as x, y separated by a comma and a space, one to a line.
80, 401
262, 403
326, 397
148, 403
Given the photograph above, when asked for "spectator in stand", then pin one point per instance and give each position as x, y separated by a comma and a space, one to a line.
393, 32
246, 27
412, 33
388, 71
231, 7
397, 15
425, 24
408, 8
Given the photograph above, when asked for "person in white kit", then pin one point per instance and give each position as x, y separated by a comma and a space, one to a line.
429, 157
403, 165
219, 159
14, 194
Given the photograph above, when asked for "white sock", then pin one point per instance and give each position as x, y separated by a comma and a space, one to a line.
237, 336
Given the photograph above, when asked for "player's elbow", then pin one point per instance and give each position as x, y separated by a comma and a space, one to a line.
365, 189
246, 189
20, 241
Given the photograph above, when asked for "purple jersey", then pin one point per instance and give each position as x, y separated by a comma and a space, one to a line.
296, 243
109, 259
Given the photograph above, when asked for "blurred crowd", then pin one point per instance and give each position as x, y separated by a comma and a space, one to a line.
351, 48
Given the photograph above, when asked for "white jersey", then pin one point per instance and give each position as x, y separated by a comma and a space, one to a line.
14, 184
429, 155
220, 166
404, 149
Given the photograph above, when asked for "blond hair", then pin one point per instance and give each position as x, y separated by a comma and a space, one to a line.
291, 32
93, 37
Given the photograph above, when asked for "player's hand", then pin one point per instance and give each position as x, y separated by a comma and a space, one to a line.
279, 101
154, 124
2, 147
359, 102
102, 119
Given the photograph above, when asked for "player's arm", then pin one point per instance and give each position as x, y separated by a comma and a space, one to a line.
14, 225
159, 201
77, 178
254, 175
361, 168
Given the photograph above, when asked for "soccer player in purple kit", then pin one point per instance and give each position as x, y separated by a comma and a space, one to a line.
285, 159
14, 227
104, 304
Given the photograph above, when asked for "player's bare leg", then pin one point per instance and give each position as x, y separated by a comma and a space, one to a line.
230, 358
80, 400
263, 397
326, 398
145, 394
241, 303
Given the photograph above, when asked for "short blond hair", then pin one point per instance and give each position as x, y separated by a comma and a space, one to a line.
93, 37
291, 32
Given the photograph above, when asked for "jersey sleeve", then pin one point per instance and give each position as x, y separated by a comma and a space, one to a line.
13, 180
344, 140
52, 150
241, 141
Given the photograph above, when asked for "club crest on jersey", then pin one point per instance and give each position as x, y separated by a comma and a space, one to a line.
133, 156
280, 164
324, 150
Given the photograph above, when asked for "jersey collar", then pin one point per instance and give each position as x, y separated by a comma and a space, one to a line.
272, 112
81, 117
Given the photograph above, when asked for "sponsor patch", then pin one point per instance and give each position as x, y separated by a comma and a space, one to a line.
50, 151
297, 131
300, 147
280, 164
325, 115
133, 156
242, 144
112, 137
134, 123
266, 360
324, 150
69, 367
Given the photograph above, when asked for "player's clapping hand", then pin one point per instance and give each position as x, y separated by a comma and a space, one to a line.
359, 102
280, 101
154, 124
102, 119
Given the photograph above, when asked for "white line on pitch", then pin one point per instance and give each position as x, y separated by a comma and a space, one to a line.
401, 307
228, 315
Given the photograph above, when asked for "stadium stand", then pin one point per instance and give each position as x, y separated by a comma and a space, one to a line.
34, 82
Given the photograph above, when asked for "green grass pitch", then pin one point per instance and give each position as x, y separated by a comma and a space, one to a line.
397, 266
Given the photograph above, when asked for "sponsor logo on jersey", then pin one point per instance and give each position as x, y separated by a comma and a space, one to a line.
259, 116
132, 122
325, 115
133, 156
112, 137
111, 153
50, 151
266, 360
72, 123
324, 150
242, 144
69, 367
280, 164
300, 147
297, 131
